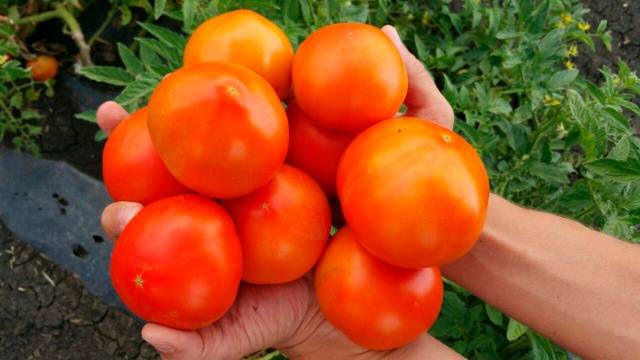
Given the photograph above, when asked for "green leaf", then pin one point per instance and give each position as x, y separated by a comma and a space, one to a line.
107, 74
133, 65
508, 34
551, 43
333, 230
148, 54
166, 36
562, 79
515, 330
537, 21
421, 49
125, 15
621, 150
99, 136
556, 173
494, 314
158, 8
619, 119
189, 14
616, 170
137, 91
89, 116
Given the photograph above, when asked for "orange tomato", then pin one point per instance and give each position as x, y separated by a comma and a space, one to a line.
414, 193
245, 38
283, 227
377, 305
220, 128
131, 167
349, 76
315, 150
43, 67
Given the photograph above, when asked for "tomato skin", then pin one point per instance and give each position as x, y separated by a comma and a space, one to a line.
314, 150
220, 128
427, 184
349, 76
178, 262
131, 167
283, 227
43, 67
376, 305
246, 38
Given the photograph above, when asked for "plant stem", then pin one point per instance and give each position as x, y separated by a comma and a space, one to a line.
102, 27
33, 19
76, 35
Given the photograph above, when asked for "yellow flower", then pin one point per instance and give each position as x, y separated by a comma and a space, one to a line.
572, 51
569, 64
550, 101
3, 59
584, 26
425, 18
616, 79
566, 18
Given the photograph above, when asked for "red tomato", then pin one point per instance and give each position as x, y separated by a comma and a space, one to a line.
43, 67
315, 150
220, 128
282, 226
377, 305
415, 193
245, 38
178, 262
131, 167
349, 76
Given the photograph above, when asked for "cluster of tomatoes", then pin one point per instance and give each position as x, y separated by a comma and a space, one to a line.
413, 194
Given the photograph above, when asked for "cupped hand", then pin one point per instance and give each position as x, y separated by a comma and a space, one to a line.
286, 316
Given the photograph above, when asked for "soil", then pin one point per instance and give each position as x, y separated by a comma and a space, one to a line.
59, 319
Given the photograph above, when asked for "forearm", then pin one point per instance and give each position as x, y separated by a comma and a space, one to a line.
572, 284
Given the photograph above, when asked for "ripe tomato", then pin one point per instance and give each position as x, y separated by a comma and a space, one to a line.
245, 38
220, 128
178, 262
415, 193
43, 67
315, 150
283, 227
131, 167
377, 305
349, 76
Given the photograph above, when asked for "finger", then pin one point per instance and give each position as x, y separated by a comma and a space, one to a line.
173, 344
423, 99
116, 216
109, 115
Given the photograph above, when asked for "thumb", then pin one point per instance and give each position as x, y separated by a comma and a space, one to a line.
174, 344
423, 100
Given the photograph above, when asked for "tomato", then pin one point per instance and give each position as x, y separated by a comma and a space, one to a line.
377, 305
315, 150
349, 76
245, 38
131, 167
178, 262
283, 227
220, 128
43, 67
415, 193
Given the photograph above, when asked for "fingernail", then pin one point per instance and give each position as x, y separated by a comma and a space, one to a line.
126, 213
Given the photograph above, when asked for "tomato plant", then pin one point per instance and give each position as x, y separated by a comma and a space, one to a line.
178, 262
220, 128
348, 76
43, 67
246, 38
414, 192
315, 150
377, 305
283, 227
131, 167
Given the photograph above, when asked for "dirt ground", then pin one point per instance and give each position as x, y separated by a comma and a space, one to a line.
45, 312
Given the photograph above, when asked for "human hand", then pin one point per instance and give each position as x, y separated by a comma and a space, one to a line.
286, 316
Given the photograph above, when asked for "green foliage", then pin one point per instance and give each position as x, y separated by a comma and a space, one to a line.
550, 139
19, 122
